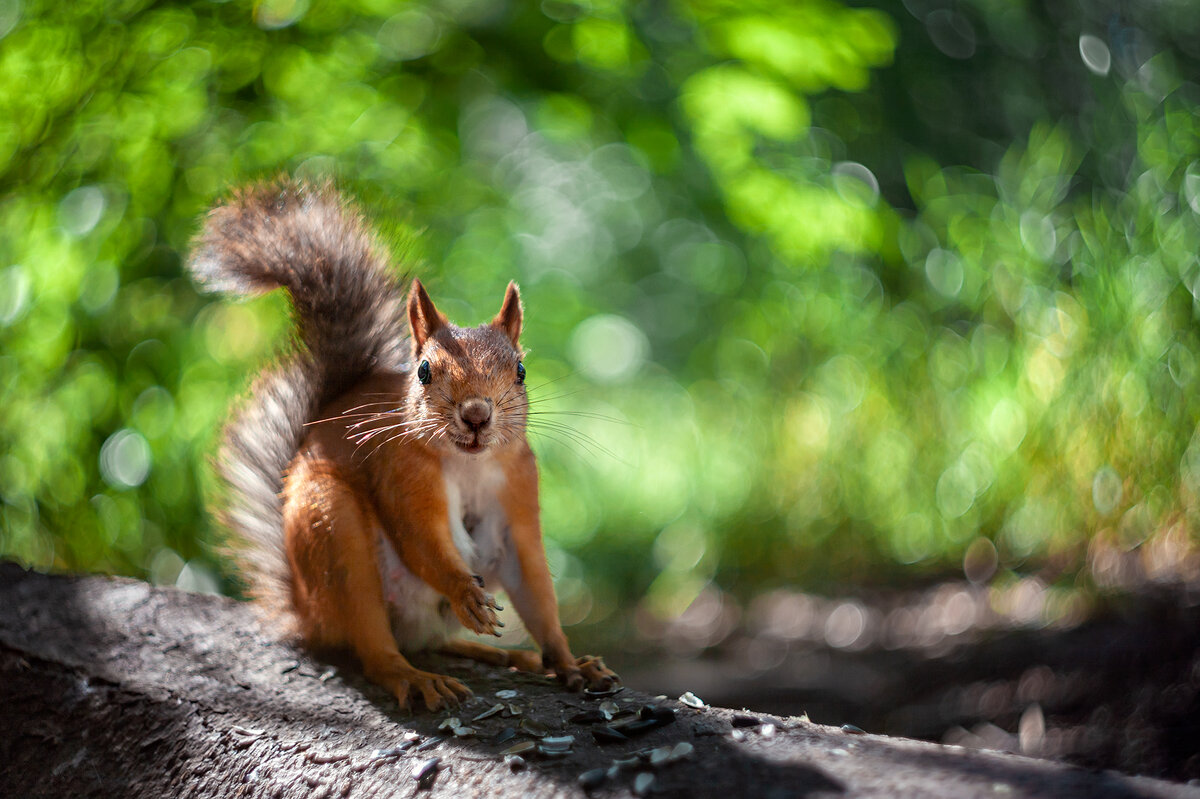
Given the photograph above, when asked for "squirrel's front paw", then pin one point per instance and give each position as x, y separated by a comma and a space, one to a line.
476, 608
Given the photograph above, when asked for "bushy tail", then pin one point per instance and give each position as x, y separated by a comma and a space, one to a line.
349, 308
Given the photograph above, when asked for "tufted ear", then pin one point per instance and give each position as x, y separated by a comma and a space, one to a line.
509, 319
423, 317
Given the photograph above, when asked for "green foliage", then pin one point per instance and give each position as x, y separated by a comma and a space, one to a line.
864, 285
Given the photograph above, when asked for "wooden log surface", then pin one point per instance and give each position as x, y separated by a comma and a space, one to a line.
112, 687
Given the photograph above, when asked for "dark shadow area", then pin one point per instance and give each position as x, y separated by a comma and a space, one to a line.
52, 707
1022, 779
1119, 690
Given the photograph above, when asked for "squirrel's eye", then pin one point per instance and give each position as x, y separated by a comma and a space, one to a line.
423, 373
520, 372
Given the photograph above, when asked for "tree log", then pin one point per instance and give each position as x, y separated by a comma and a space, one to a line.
112, 687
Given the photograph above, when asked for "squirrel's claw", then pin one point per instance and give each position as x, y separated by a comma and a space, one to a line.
407, 683
588, 672
476, 609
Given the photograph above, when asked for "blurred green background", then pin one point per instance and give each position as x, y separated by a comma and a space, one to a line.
829, 295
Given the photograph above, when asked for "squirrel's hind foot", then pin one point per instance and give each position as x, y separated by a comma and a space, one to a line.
589, 672
405, 682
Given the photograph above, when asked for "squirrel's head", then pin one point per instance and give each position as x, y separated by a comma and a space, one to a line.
468, 384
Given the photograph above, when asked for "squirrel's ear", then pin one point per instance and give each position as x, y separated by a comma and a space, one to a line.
423, 317
509, 318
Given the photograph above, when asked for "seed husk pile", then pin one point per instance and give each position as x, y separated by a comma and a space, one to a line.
520, 748
592, 716
604, 692
647, 718
593, 778
605, 711
607, 735
656, 758
535, 728
487, 714
431, 743
425, 772
455, 725
555, 745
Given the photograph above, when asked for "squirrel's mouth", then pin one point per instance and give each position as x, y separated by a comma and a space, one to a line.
473, 447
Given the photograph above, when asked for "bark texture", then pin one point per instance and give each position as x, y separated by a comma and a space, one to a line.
111, 687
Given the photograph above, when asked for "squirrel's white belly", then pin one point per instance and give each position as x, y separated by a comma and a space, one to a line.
477, 519
421, 618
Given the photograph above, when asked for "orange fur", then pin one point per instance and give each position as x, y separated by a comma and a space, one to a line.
378, 494
385, 470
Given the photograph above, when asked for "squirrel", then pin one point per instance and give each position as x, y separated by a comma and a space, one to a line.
375, 495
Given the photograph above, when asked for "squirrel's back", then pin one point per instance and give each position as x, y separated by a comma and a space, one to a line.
349, 315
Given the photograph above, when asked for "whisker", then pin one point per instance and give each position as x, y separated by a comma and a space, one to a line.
397, 398
583, 439
543, 424
583, 414
384, 416
507, 392
407, 430
408, 433
376, 430
577, 449
384, 422
350, 415
559, 395
551, 381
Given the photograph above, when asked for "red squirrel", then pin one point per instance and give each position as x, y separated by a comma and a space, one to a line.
378, 488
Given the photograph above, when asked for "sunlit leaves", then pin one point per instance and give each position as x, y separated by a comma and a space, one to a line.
699, 200
813, 45
736, 109
729, 106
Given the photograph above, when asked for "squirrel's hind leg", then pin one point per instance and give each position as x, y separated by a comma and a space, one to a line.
520, 659
329, 534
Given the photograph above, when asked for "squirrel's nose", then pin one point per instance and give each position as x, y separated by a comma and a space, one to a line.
475, 412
